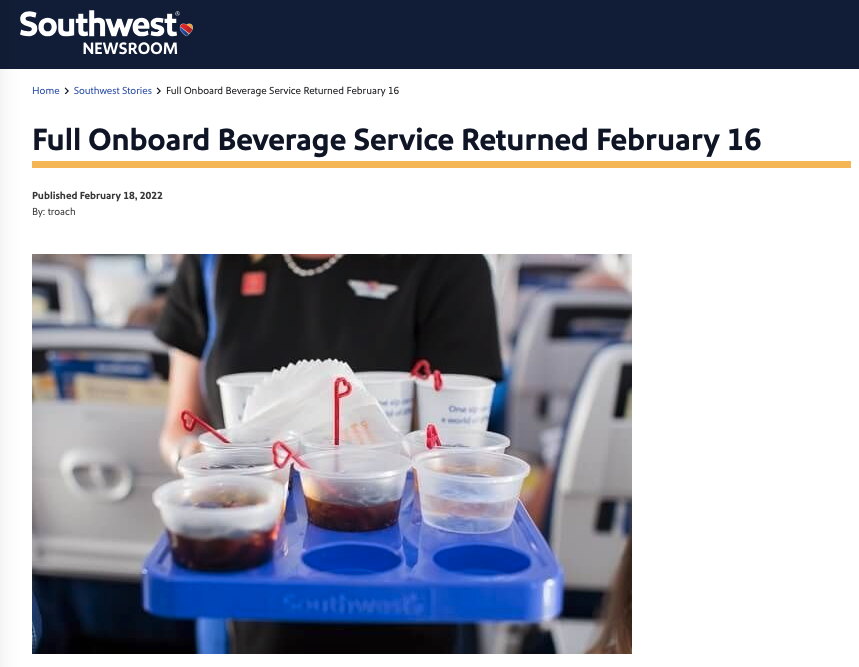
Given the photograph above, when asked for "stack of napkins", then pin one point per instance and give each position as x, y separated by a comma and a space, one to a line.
300, 397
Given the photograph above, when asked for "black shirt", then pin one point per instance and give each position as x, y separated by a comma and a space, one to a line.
442, 309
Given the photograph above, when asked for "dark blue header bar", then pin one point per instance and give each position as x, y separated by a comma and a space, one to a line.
442, 34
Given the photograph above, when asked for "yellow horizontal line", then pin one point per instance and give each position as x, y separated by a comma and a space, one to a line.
441, 164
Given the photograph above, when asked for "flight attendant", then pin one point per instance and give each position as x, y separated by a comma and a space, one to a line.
238, 313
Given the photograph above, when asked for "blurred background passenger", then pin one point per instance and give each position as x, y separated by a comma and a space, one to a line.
616, 633
146, 315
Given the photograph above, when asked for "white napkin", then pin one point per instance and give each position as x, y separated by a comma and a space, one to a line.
300, 397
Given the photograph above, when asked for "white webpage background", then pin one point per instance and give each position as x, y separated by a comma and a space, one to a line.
746, 282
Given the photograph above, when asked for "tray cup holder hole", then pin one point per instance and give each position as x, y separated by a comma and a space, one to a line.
352, 559
482, 560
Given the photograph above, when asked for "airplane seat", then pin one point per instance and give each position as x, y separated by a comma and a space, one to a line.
119, 284
540, 273
95, 465
559, 334
60, 295
590, 513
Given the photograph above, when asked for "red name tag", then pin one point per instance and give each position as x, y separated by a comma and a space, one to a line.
253, 283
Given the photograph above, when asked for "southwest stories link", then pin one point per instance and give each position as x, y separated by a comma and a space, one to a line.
100, 139
93, 90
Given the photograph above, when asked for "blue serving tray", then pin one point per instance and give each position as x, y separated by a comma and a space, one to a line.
409, 573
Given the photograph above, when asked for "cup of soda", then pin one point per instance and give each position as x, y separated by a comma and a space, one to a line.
310, 444
211, 443
221, 522
254, 462
261, 448
353, 490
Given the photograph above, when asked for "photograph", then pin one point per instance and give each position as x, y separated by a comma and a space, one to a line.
248, 453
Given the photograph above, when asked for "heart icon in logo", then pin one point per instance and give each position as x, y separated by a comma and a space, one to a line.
186, 28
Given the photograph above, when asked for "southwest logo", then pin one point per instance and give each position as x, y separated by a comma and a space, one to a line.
371, 289
186, 28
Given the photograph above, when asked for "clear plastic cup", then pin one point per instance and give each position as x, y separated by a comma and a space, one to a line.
235, 389
221, 522
311, 444
211, 443
463, 401
395, 391
469, 491
251, 462
354, 490
258, 448
457, 438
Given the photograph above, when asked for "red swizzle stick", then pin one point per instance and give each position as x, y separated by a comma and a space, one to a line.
347, 389
289, 455
421, 369
190, 420
432, 437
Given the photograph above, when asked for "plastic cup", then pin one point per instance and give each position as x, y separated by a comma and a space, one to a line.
257, 448
221, 522
235, 389
210, 443
395, 392
463, 401
457, 438
353, 490
311, 444
251, 462
469, 491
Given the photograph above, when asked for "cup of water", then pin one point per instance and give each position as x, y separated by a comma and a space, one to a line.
469, 491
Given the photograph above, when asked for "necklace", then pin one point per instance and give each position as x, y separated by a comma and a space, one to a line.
306, 273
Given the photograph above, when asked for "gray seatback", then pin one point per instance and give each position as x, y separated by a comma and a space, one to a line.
549, 358
75, 307
95, 466
595, 466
